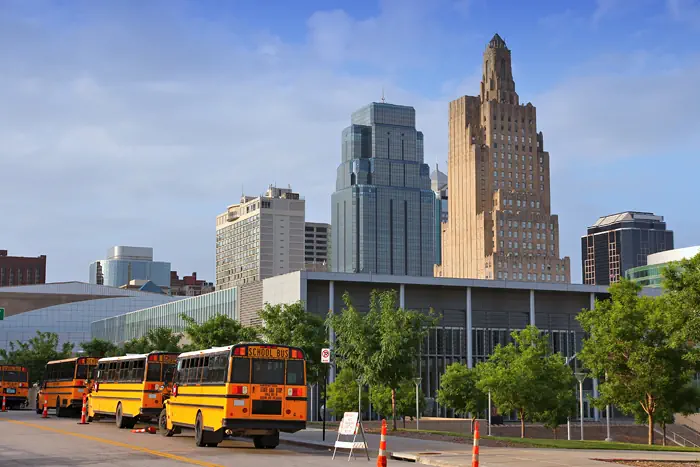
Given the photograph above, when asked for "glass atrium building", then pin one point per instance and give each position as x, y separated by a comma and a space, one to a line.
119, 329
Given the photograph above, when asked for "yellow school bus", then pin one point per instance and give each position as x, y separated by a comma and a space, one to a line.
14, 385
64, 384
250, 390
131, 388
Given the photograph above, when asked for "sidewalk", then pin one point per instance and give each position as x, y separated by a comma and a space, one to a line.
445, 454
313, 437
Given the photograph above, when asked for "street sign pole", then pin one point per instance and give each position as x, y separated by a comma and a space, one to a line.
326, 359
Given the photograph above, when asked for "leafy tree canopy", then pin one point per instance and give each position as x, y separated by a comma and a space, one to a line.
218, 331
642, 343
162, 339
293, 325
100, 348
383, 345
459, 391
343, 392
524, 377
380, 396
36, 353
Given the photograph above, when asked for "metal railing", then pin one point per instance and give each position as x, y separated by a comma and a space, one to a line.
676, 438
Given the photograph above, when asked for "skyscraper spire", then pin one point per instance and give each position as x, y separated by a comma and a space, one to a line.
383, 99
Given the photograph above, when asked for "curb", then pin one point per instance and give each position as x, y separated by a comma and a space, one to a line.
322, 447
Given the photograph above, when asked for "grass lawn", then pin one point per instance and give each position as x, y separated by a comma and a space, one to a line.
562, 443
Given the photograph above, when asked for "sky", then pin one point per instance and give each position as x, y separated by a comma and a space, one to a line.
136, 123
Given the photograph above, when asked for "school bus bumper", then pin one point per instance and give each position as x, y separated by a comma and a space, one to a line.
240, 424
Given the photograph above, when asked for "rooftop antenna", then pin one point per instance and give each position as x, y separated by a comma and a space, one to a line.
383, 99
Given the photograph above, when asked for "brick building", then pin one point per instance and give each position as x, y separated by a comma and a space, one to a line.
22, 270
189, 285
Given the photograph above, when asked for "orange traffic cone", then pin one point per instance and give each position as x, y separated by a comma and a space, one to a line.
3, 403
45, 414
149, 429
83, 413
381, 458
475, 449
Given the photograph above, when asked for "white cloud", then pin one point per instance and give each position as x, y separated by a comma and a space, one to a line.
140, 132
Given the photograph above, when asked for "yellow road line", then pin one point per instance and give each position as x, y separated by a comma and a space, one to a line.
118, 444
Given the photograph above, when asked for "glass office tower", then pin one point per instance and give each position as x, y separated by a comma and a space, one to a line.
383, 213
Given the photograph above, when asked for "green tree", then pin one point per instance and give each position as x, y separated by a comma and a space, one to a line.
459, 391
293, 325
158, 339
100, 348
342, 394
681, 281
380, 396
383, 345
642, 343
217, 331
563, 402
524, 377
36, 353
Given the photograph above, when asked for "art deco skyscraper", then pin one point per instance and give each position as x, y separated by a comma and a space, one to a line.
500, 224
383, 210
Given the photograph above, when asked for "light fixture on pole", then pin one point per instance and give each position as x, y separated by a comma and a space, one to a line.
359, 396
417, 383
580, 377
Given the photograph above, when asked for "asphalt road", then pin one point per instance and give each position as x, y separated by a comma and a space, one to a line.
28, 440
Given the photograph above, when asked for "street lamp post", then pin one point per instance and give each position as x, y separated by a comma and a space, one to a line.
359, 397
489, 413
417, 382
607, 417
580, 377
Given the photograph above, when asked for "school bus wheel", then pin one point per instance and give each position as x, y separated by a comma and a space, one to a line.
163, 424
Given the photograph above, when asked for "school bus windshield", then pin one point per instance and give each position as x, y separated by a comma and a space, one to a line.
10, 376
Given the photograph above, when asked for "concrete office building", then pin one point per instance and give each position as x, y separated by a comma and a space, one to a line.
651, 274
260, 237
619, 242
438, 183
21, 270
475, 315
500, 223
127, 263
66, 308
189, 286
317, 246
383, 211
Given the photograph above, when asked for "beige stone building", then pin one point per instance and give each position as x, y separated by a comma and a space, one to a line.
500, 224
260, 237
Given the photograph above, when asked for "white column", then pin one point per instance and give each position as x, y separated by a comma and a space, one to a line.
596, 411
532, 307
402, 296
468, 325
331, 332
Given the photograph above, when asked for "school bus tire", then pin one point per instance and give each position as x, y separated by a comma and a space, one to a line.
60, 413
266, 441
39, 407
163, 424
199, 434
122, 421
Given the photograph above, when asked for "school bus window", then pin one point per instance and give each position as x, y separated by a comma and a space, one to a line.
138, 370
295, 372
240, 372
14, 377
216, 372
82, 372
168, 372
153, 373
268, 372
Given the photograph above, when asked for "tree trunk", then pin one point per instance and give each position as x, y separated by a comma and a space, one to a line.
404, 421
650, 421
663, 427
555, 433
522, 423
393, 409
473, 421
